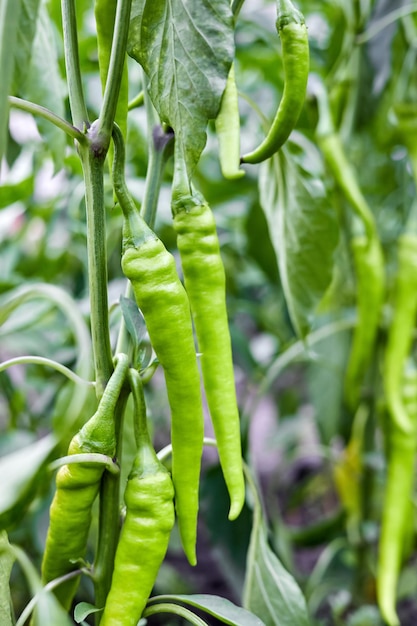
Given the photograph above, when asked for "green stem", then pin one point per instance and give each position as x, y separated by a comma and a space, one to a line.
115, 73
140, 425
294, 351
72, 64
177, 609
25, 614
158, 156
160, 145
74, 318
92, 158
109, 518
343, 172
40, 111
136, 102
385, 21
236, 5
90, 457
69, 308
40, 360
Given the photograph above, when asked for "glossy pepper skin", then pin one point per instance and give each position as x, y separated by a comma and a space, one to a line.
163, 301
150, 516
77, 485
370, 281
402, 431
227, 125
296, 60
205, 280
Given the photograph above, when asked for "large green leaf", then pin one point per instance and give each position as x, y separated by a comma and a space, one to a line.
26, 34
44, 84
270, 592
186, 49
6, 564
303, 229
9, 23
11, 193
20, 471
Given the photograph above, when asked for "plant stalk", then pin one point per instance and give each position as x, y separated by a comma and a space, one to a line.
115, 73
46, 114
72, 64
92, 158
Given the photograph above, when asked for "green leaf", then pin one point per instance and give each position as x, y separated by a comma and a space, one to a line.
49, 611
20, 475
304, 233
186, 48
325, 384
136, 328
83, 610
270, 591
11, 193
218, 607
9, 24
257, 232
26, 34
44, 84
134, 321
6, 564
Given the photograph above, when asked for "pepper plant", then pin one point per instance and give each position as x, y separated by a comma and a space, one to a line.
214, 213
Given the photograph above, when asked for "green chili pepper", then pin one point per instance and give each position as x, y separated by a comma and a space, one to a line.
146, 530
163, 301
400, 330
334, 154
402, 430
370, 279
227, 125
367, 253
205, 284
77, 485
295, 57
409, 395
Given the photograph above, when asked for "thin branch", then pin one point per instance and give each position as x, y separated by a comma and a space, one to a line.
379, 25
72, 64
115, 73
40, 360
40, 111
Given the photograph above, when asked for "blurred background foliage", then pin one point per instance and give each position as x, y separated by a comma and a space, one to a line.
298, 434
